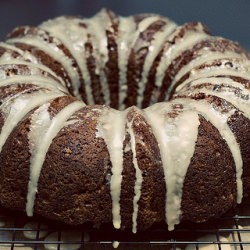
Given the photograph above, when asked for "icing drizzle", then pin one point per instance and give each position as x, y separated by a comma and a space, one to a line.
42, 131
138, 176
15, 113
111, 128
176, 137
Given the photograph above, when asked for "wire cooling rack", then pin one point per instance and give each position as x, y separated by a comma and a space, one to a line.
230, 232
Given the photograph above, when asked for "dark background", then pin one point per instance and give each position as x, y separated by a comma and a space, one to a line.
227, 18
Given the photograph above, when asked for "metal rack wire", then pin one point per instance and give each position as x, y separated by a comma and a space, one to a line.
230, 232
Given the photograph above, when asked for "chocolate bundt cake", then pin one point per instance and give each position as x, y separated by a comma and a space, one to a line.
127, 120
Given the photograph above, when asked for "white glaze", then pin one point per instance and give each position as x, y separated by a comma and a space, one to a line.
111, 127
219, 120
138, 176
172, 52
176, 138
66, 236
126, 44
34, 229
226, 93
97, 28
126, 27
9, 99
212, 73
74, 38
33, 67
116, 244
23, 55
52, 50
35, 80
155, 47
19, 108
43, 130
208, 58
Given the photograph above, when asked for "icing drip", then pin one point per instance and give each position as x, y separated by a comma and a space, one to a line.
74, 38
36, 80
23, 54
168, 56
35, 69
209, 58
126, 45
176, 137
111, 127
66, 237
16, 111
97, 27
116, 244
43, 130
219, 120
138, 175
125, 29
35, 228
212, 73
52, 50
155, 47
233, 92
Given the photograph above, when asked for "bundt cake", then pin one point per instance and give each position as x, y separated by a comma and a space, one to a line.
127, 120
